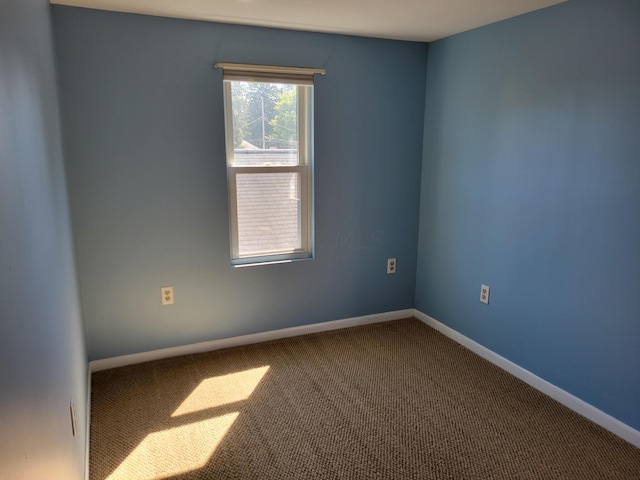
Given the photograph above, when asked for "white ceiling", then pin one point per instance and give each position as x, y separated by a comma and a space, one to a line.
418, 20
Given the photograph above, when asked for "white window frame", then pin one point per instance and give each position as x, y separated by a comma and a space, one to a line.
302, 79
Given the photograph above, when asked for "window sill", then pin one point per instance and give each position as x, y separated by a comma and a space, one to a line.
257, 263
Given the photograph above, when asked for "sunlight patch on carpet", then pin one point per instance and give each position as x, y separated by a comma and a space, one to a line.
175, 451
223, 390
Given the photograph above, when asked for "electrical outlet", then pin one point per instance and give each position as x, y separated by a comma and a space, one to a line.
74, 424
167, 295
484, 294
391, 265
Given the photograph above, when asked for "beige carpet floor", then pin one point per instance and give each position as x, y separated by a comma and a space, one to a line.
395, 400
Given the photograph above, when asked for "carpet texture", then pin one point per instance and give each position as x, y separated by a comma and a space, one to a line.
394, 400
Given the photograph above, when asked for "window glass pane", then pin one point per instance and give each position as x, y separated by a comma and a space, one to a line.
268, 212
265, 124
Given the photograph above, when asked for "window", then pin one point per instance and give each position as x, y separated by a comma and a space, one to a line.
268, 122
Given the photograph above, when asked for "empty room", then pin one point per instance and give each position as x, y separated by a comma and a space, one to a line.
279, 239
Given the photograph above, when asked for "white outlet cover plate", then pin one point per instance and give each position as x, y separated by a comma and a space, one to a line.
167, 295
391, 265
484, 294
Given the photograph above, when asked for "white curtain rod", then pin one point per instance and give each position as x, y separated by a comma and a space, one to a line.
244, 67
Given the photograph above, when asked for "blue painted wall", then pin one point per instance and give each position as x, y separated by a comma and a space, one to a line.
43, 362
531, 184
144, 138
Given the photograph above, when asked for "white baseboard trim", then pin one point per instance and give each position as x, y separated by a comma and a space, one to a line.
121, 361
87, 425
581, 407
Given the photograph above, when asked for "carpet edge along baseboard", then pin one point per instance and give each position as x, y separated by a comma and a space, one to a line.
574, 403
